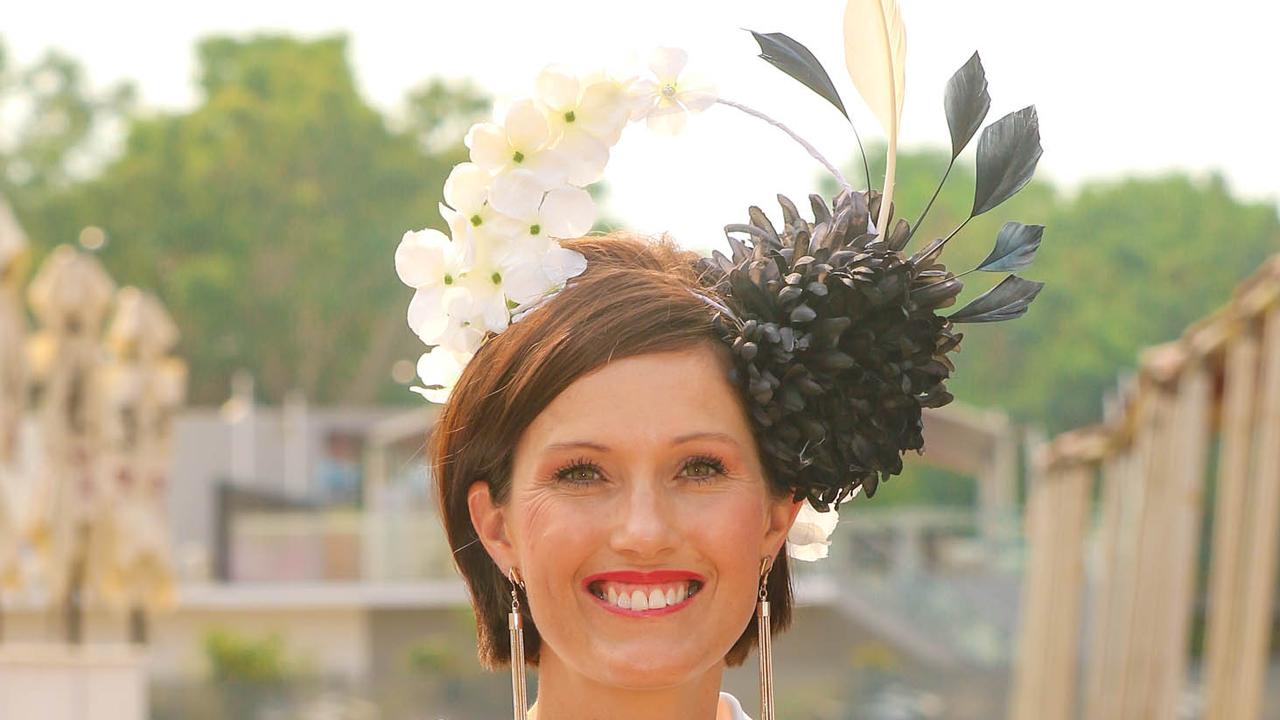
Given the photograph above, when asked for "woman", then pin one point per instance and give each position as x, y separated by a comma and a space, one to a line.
601, 449
634, 434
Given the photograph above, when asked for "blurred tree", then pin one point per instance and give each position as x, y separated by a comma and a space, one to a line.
233, 657
1127, 264
55, 126
267, 218
268, 215
440, 112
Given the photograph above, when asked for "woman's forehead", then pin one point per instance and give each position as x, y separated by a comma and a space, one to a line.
656, 398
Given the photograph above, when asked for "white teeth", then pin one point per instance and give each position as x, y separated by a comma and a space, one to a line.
650, 598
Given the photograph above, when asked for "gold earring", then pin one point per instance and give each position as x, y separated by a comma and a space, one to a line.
765, 643
519, 699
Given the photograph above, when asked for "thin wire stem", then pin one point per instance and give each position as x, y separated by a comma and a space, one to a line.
937, 190
953, 232
810, 148
865, 167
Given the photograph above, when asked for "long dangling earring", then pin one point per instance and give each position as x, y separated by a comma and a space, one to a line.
519, 699
765, 643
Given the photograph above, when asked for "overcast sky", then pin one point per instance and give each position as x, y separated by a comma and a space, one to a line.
1122, 86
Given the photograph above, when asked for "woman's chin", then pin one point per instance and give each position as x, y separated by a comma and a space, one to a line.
645, 677
647, 664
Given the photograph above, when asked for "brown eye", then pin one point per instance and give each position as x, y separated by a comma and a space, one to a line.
704, 468
579, 473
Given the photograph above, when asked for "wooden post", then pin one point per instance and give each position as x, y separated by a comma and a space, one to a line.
1049, 640
1261, 525
1227, 562
1121, 619
1103, 616
1137, 649
1104, 559
1029, 670
1183, 501
1071, 508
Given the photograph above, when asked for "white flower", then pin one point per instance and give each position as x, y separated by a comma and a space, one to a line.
522, 141
809, 538
665, 99
562, 212
530, 277
428, 257
441, 367
467, 313
586, 119
430, 262
466, 209
486, 293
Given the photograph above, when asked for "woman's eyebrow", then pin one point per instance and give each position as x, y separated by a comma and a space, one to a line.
678, 440
578, 444
704, 436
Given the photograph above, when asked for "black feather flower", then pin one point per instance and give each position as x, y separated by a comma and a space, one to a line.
837, 341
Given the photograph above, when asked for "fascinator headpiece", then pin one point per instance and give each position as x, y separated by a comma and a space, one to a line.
836, 328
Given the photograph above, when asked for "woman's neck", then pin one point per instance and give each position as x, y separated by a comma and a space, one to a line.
564, 694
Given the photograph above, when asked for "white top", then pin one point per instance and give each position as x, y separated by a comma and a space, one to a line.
735, 708
731, 703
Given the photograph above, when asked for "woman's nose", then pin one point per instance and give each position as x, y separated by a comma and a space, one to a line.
645, 521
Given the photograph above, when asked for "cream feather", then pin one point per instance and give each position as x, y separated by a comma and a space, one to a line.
875, 51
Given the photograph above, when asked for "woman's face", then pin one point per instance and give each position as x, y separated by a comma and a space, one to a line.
638, 516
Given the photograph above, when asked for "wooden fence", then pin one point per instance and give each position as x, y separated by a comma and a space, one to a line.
1114, 526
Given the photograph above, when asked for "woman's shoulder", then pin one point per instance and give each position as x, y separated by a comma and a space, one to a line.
730, 705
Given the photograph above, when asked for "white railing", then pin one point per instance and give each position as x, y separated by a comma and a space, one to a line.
65, 682
337, 545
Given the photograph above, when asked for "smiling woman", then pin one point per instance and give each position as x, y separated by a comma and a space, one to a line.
601, 448
633, 434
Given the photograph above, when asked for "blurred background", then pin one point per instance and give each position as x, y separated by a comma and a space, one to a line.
213, 496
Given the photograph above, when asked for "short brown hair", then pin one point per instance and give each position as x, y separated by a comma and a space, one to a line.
634, 298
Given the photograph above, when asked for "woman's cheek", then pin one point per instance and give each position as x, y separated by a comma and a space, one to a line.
729, 529
555, 521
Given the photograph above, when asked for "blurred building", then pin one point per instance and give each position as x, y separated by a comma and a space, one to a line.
317, 526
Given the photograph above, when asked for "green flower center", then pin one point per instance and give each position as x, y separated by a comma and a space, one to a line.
476, 220
569, 116
518, 157
535, 229
496, 278
448, 279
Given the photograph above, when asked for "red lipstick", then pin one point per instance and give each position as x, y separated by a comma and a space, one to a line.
650, 577
691, 583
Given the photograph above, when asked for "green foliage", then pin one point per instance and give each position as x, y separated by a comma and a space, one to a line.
236, 658
55, 122
922, 484
1127, 264
266, 218
1135, 262
433, 656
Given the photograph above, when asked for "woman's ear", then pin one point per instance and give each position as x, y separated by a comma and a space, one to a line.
490, 524
782, 515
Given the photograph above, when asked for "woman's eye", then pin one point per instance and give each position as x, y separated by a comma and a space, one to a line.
704, 468
580, 474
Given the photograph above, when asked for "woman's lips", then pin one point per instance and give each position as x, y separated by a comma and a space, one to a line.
644, 594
